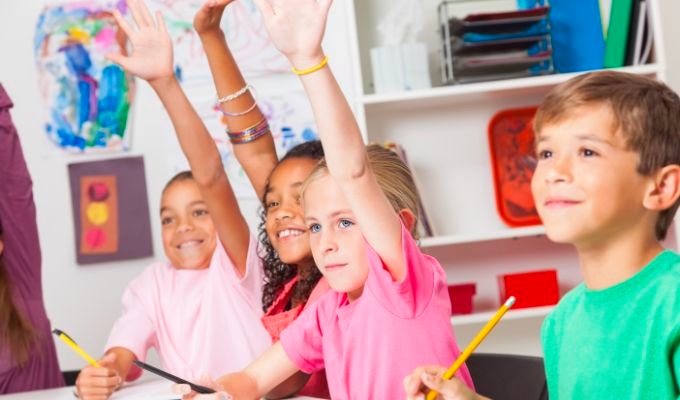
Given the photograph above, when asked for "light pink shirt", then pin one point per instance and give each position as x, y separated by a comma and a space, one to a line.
369, 345
199, 321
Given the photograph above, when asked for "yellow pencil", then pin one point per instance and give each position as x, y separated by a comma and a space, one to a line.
67, 339
474, 343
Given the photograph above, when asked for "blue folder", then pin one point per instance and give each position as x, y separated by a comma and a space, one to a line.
577, 39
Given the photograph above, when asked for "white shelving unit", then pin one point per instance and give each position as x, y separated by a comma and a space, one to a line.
444, 131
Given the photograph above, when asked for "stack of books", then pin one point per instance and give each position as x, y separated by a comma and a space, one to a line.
499, 45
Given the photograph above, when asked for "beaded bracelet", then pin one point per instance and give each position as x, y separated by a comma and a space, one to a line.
234, 95
312, 69
240, 113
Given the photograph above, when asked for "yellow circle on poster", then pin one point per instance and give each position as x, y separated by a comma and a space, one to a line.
97, 213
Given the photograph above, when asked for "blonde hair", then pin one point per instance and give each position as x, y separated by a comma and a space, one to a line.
646, 114
393, 176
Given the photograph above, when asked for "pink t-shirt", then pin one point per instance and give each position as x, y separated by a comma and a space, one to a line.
369, 345
199, 321
276, 319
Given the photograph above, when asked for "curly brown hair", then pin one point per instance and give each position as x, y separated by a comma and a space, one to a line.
276, 272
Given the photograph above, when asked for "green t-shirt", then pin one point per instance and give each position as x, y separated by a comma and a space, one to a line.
622, 342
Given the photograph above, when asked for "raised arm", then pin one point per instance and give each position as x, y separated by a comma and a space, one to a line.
151, 60
21, 247
297, 27
258, 158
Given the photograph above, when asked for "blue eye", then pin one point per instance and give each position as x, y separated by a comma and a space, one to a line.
345, 223
314, 228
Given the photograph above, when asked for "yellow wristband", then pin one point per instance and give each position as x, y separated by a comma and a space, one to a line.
313, 69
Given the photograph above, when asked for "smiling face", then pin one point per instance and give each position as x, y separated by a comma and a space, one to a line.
336, 241
285, 224
189, 236
586, 186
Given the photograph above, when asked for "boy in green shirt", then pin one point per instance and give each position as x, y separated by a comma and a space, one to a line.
607, 182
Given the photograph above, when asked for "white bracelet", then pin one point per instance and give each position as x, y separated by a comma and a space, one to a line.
234, 95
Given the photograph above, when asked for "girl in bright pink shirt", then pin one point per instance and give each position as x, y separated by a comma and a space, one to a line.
360, 207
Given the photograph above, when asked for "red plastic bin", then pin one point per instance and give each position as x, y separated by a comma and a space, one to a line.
531, 289
513, 160
461, 297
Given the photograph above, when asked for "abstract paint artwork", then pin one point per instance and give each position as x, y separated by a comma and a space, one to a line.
87, 97
110, 209
245, 32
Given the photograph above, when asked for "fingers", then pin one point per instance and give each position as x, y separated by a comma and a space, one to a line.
161, 23
137, 12
145, 13
97, 383
122, 23
415, 384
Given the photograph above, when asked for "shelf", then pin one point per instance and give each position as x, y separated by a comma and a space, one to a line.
509, 233
442, 94
483, 317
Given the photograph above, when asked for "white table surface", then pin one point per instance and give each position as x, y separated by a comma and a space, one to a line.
149, 390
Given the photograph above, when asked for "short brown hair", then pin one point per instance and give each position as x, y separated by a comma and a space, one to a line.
646, 114
393, 176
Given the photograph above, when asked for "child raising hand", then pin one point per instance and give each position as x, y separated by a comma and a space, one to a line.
360, 207
211, 286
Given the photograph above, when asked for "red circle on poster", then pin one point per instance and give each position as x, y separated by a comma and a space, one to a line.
95, 237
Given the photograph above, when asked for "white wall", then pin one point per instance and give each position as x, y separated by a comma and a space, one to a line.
84, 300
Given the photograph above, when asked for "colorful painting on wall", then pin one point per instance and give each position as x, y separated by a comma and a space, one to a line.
245, 32
87, 97
110, 209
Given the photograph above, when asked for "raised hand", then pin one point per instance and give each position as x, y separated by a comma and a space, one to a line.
151, 57
208, 17
296, 27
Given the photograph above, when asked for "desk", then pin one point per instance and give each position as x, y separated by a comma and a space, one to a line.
149, 390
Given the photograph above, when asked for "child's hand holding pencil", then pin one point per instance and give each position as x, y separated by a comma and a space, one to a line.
424, 379
436, 380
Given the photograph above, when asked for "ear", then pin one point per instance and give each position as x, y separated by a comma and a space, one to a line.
664, 190
408, 218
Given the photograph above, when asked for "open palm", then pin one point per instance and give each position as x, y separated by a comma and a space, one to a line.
295, 26
151, 57
208, 17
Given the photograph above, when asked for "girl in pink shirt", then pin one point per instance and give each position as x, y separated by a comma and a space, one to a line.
198, 304
360, 207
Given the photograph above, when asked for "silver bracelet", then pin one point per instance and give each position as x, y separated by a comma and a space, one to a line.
234, 95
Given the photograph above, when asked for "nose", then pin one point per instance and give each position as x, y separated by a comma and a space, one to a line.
559, 169
327, 241
184, 226
282, 212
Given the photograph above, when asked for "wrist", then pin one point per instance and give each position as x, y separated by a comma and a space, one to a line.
211, 35
303, 62
163, 83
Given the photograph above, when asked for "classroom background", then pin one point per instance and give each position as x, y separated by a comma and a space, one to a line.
84, 300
